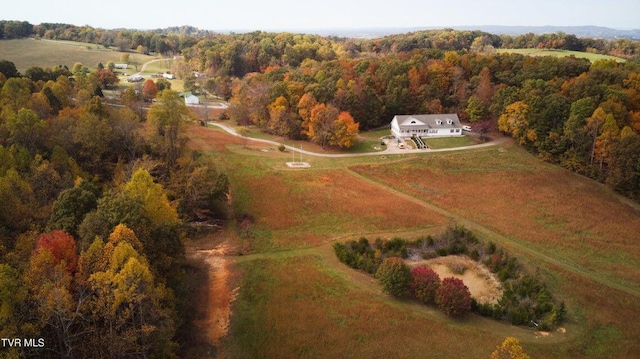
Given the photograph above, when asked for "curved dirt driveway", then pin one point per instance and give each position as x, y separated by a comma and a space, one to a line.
388, 151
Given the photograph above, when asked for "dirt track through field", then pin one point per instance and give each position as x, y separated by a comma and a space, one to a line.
216, 296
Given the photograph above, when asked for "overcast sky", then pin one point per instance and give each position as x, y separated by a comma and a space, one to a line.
324, 14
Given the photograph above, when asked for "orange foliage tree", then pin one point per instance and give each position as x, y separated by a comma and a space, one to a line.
62, 246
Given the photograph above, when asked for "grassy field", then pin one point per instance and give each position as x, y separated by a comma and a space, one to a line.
449, 142
296, 300
562, 53
26, 53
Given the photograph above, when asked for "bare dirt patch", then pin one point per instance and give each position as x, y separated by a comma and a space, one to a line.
215, 320
484, 286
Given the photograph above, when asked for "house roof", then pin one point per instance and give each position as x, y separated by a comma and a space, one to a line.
431, 121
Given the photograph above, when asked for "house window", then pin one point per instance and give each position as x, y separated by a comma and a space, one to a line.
433, 131
458, 130
452, 130
413, 122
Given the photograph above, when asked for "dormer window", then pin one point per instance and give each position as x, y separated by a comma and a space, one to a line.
413, 122
439, 122
449, 122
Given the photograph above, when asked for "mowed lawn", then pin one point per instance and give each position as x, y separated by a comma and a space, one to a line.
26, 53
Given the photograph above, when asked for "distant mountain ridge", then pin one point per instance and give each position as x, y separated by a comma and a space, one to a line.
597, 32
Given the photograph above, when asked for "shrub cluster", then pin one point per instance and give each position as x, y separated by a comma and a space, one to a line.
394, 276
424, 284
359, 255
453, 297
525, 301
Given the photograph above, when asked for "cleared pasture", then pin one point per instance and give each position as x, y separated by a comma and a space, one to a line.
562, 53
296, 300
26, 53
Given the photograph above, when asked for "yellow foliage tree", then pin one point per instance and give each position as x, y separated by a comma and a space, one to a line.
509, 349
156, 206
514, 121
345, 130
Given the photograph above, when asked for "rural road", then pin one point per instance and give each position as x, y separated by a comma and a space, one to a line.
388, 151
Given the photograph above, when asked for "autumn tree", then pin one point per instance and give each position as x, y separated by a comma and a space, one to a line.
13, 299
25, 128
61, 246
280, 120
509, 349
168, 118
424, 284
344, 131
318, 127
106, 78
131, 312
149, 90
50, 281
394, 276
453, 297
15, 94
155, 205
624, 168
515, 121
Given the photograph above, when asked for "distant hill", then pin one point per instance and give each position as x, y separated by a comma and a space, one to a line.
596, 32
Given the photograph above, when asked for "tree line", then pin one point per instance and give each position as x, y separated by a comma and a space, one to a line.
93, 206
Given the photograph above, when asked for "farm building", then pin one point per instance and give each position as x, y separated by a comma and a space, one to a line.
441, 125
134, 78
121, 66
169, 76
191, 99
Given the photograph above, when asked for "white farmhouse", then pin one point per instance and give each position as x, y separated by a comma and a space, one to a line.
441, 125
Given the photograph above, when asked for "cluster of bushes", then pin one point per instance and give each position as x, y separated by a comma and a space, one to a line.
525, 301
362, 255
424, 285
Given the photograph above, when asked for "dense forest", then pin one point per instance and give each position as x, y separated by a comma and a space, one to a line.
94, 202
94, 199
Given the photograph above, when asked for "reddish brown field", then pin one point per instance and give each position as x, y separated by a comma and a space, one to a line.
297, 300
309, 313
308, 208
206, 139
521, 197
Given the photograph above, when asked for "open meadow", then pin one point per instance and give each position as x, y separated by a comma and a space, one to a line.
26, 53
562, 53
295, 299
